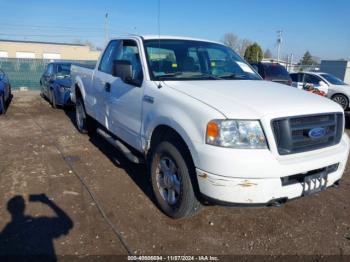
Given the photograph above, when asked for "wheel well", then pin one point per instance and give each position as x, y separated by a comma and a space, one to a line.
77, 91
162, 132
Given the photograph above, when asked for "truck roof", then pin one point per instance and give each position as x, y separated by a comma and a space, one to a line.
170, 37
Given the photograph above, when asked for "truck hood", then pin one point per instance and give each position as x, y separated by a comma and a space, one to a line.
253, 99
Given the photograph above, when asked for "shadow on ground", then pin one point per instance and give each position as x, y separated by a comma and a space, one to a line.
137, 172
31, 238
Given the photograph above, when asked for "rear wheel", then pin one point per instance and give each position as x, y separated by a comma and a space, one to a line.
171, 182
85, 123
342, 100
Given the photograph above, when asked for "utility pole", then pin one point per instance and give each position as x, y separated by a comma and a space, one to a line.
106, 28
279, 42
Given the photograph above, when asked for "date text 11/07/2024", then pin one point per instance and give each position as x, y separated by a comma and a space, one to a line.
173, 258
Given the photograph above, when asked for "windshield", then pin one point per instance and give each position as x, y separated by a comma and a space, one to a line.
63, 69
195, 60
276, 71
332, 79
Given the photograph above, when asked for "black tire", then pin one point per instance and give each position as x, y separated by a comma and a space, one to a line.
2, 104
53, 99
42, 91
342, 100
85, 124
186, 203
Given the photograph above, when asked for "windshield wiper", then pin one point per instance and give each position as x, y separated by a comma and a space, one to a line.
210, 76
232, 76
169, 75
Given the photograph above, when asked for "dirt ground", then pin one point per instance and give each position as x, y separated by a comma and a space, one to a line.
104, 205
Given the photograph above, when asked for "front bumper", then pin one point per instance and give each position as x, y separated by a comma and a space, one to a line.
63, 97
257, 181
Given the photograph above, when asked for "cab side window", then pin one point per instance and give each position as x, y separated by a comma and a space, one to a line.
122, 50
111, 53
130, 52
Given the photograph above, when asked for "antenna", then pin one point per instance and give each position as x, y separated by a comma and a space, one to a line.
159, 84
279, 42
106, 28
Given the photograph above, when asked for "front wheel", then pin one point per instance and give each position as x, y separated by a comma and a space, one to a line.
171, 182
53, 99
342, 100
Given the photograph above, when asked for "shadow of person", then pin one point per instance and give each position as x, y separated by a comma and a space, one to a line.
26, 236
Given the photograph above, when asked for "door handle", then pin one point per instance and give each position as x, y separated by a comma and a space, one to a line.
108, 87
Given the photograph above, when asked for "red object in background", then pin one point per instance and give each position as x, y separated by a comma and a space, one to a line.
318, 92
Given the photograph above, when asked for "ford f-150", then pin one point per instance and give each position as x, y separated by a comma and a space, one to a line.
206, 124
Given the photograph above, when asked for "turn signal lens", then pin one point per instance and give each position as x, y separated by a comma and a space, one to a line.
212, 130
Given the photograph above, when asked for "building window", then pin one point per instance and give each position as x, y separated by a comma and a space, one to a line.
4, 54
25, 55
51, 56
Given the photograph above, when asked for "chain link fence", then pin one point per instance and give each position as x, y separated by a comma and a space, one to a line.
27, 72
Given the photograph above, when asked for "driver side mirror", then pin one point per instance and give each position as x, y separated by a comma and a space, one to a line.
123, 70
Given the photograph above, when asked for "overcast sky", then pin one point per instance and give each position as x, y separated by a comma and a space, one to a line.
320, 26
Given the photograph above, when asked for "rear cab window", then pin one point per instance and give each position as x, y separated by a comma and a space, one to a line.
275, 71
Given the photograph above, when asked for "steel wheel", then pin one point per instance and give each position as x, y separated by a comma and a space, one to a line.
341, 100
168, 181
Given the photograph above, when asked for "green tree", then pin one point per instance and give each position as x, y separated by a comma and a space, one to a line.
307, 59
253, 53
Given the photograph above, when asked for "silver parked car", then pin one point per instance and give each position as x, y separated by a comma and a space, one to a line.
334, 88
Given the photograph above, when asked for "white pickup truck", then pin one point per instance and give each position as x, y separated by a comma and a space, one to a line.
207, 126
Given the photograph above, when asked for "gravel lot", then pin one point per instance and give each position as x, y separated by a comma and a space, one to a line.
109, 208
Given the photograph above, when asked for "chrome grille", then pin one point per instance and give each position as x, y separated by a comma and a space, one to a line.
292, 133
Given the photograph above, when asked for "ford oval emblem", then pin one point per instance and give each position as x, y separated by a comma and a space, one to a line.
317, 132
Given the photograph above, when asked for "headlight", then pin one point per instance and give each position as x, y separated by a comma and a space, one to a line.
63, 88
236, 134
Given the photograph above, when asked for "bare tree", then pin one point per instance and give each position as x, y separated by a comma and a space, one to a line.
239, 45
243, 44
231, 40
87, 43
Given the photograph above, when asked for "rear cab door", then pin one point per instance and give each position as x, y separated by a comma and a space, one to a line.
102, 77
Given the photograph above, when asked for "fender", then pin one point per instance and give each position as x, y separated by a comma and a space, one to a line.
77, 83
184, 125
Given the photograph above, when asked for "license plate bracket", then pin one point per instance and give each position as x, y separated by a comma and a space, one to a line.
315, 183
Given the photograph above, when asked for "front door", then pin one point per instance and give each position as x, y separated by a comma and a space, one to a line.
124, 101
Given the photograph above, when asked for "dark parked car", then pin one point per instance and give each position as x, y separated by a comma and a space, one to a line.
273, 72
55, 83
5, 92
